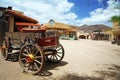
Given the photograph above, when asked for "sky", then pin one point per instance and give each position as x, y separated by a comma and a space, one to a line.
73, 12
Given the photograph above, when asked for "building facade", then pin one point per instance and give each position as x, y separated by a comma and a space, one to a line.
13, 21
65, 31
113, 33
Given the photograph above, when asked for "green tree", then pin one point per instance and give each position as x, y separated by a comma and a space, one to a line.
115, 19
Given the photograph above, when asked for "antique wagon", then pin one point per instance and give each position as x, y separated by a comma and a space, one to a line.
33, 46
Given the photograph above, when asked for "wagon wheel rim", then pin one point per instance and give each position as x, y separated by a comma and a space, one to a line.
4, 50
31, 58
57, 54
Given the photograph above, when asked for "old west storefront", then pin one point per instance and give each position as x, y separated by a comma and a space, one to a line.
64, 30
116, 32
70, 34
113, 33
15, 19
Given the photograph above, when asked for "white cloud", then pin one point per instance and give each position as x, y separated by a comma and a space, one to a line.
102, 16
60, 10
44, 10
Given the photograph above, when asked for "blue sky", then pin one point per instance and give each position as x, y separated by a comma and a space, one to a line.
74, 12
83, 7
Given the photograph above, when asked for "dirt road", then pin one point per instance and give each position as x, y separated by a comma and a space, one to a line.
84, 57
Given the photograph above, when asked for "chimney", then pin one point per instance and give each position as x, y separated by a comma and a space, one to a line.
10, 7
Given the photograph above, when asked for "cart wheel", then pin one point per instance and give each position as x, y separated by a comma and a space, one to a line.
57, 54
4, 48
31, 58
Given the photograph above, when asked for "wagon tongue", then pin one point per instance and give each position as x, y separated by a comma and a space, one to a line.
30, 58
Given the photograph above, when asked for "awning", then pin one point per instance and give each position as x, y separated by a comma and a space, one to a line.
33, 30
21, 27
26, 24
57, 25
71, 30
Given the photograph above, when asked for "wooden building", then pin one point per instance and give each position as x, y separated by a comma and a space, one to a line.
15, 19
70, 34
113, 33
98, 35
65, 31
107, 34
116, 31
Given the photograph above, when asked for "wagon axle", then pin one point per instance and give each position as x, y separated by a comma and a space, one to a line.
50, 52
30, 58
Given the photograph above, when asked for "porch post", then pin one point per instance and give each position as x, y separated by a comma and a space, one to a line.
11, 23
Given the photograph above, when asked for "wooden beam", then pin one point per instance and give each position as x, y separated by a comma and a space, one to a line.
11, 23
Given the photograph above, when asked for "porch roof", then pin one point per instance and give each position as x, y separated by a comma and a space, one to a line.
21, 16
71, 30
26, 24
57, 25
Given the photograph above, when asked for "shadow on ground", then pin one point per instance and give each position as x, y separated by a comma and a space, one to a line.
112, 73
51, 66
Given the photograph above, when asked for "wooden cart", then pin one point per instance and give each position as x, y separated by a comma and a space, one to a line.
33, 47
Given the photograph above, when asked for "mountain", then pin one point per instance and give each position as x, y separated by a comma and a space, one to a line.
92, 28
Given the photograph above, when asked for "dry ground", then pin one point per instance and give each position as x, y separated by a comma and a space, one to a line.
84, 59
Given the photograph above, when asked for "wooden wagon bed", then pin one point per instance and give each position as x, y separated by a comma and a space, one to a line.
43, 39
